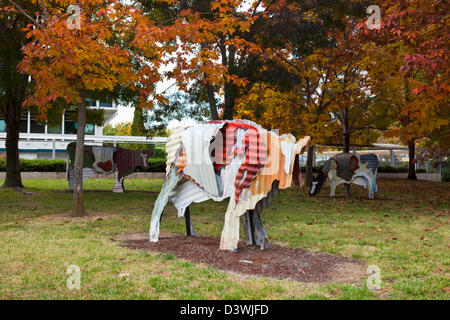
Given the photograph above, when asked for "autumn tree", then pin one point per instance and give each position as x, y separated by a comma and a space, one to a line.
221, 44
319, 90
120, 129
349, 90
14, 16
412, 76
68, 61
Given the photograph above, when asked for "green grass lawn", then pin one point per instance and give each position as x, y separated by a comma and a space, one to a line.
405, 232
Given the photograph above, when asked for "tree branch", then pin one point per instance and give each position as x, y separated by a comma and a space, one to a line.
25, 14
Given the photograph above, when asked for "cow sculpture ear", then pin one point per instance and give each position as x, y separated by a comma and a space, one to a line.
302, 144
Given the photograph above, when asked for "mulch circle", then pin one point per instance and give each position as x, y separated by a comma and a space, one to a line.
277, 262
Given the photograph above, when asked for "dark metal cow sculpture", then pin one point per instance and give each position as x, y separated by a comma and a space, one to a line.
107, 160
347, 168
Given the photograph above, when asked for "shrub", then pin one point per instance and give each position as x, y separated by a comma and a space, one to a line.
446, 174
156, 165
41, 165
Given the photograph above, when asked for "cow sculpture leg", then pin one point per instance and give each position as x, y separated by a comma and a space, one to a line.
160, 203
371, 188
333, 186
348, 188
256, 233
118, 184
230, 232
189, 227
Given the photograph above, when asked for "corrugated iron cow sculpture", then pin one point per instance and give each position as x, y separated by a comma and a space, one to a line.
347, 168
235, 159
107, 160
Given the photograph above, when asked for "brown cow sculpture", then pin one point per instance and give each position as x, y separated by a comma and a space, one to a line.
235, 159
107, 160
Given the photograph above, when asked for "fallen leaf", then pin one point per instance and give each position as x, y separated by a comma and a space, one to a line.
432, 228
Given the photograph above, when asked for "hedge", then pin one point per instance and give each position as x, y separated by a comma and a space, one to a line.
446, 174
155, 165
390, 169
41, 165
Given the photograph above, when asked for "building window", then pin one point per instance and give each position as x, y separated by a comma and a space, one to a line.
106, 104
91, 103
70, 126
2, 126
36, 127
90, 129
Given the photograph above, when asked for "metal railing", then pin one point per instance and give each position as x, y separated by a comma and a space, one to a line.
88, 138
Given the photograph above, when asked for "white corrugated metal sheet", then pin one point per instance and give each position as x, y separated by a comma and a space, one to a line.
196, 141
87, 172
173, 145
186, 193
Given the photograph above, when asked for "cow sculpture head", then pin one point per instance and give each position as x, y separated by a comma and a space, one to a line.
317, 183
144, 156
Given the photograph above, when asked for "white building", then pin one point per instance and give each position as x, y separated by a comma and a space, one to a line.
37, 141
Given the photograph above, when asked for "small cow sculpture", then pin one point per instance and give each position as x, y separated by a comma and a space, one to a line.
235, 159
347, 168
107, 160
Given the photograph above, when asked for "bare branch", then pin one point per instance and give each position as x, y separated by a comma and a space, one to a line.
25, 14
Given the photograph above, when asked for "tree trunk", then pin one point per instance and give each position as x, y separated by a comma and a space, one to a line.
230, 89
309, 165
346, 129
78, 201
347, 142
212, 102
412, 167
12, 119
230, 98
